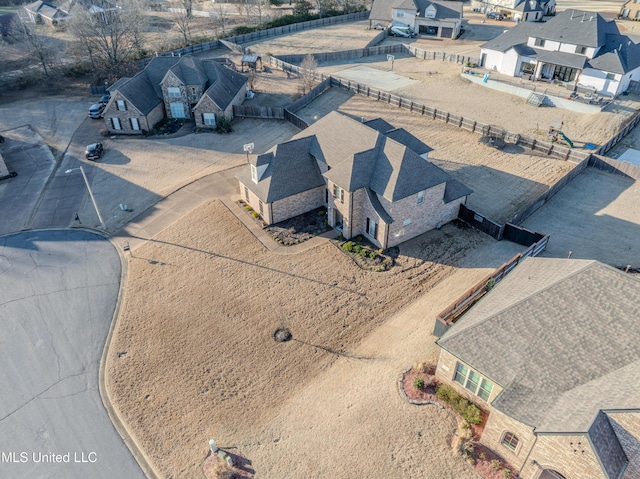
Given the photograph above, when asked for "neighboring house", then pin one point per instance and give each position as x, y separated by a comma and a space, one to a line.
551, 352
435, 18
367, 175
53, 12
517, 10
574, 47
631, 10
174, 87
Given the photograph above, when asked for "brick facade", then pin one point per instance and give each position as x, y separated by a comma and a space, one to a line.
254, 202
145, 122
445, 372
206, 105
498, 424
189, 94
297, 204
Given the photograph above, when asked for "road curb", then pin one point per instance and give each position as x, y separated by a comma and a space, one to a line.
103, 384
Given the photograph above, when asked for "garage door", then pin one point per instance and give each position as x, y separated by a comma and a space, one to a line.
446, 32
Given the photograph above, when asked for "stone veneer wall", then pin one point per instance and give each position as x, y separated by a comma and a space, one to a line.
187, 97
206, 105
497, 425
3, 168
556, 452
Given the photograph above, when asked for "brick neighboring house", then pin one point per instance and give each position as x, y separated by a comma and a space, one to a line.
552, 353
174, 87
371, 182
630, 10
434, 18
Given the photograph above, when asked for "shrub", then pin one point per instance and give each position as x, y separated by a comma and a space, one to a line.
321, 213
495, 464
418, 383
242, 30
467, 410
372, 254
255, 214
348, 246
506, 473
248, 208
224, 124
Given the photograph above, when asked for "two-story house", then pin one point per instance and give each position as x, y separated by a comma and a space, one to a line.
56, 12
630, 10
174, 87
551, 352
368, 176
573, 47
517, 10
434, 18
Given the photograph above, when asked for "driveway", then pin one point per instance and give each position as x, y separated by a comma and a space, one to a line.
57, 302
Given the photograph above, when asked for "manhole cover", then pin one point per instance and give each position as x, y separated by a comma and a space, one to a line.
282, 335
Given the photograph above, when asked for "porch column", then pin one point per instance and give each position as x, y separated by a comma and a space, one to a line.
536, 73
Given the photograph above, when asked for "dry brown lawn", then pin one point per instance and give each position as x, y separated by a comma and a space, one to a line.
193, 355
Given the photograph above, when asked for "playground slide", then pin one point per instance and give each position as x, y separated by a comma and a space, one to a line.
567, 140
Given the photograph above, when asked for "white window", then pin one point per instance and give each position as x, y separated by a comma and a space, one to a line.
406, 222
246, 194
420, 197
581, 50
611, 76
209, 119
372, 228
115, 122
400, 14
338, 193
177, 110
122, 106
539, 42
473, 382
174, 92
134, 123
510, 440
261, 207
254, 173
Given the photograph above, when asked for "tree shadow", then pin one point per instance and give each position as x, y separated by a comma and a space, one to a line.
339, 353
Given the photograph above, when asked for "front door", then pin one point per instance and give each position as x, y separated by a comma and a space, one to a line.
339, 221
177, 110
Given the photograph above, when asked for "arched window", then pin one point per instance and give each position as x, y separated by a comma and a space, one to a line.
510, 440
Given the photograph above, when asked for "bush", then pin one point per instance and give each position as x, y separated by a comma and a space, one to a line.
223, 124
255, 214
506, 473
467, 410
495, 464
248, 208
242, 30
348, 246
418, 383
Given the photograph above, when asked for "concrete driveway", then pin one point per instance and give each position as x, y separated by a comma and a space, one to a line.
58, 294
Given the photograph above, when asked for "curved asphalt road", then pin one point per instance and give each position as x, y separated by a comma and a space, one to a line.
58, 294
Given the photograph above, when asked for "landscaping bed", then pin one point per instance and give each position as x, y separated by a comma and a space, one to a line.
366, 255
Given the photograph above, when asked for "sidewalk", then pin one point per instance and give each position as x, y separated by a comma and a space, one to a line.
223, 186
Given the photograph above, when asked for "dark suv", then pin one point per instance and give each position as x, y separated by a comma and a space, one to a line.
94, 151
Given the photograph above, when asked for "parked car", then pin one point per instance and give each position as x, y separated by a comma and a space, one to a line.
399, 31
96, 110
94, 151
379, 26
104, 99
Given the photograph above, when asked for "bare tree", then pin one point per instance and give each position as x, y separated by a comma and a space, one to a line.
110, 38
184, 23
258, 8
221, 19
38, 45
309, 66
188, 7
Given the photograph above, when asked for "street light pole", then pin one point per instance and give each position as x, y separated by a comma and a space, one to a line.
93, 200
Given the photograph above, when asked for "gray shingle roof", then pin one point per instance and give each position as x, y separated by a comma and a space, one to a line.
225, 84
446, 10
607, 446
190, 71
455, 190
516, 35
291, 170
381, 10
572, 60
405, 138
354, 156
561, 337
619, 55
380, 125
577, 28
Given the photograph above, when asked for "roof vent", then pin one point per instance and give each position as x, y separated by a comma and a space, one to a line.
591, 18
583, 17
572, 12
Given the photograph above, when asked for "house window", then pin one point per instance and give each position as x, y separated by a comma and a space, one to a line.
400, 14
406, 222
134, 124
581, 50
611, 76
510, 440
209, 119
115, 122
473, 382
193, 90
254, 173
338, 193
372, 228
420, 197
122, 106
246, 194
261, 207
539, 42
174, 92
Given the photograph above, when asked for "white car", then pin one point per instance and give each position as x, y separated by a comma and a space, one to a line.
400, 31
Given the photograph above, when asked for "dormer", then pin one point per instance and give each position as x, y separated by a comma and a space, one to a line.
430, 11
259, 166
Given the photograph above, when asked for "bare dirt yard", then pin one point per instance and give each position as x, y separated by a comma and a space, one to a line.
503, 181
193, 356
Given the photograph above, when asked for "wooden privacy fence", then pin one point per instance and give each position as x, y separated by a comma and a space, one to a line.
616, 167
251, 111
444, 56
295, 120
620, 135
480, 222
450, 315
309, 97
